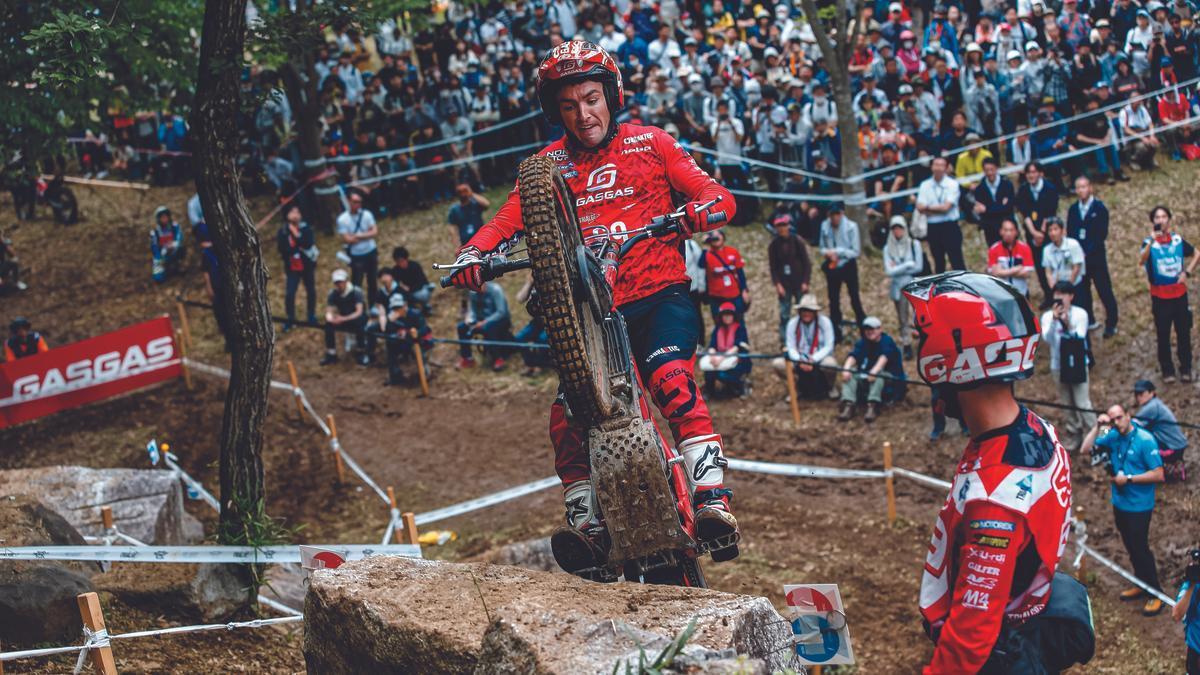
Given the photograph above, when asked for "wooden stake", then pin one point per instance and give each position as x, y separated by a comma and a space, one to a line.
337, 449
410, 528
93, 618
815, 670
183, 324
421, 367
107, 518
890, 482
392, 496
183, 352
793, 397
296, 386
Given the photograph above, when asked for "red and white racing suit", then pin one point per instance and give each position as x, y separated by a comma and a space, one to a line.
621, 186
996, 542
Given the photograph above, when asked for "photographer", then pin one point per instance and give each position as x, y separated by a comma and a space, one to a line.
1187, 610
1064, 330
1135, 469
1154, 416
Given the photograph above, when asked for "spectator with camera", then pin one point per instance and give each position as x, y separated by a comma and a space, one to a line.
1134, 469
1064, 332
1154, 416
1169, 260
1187, 610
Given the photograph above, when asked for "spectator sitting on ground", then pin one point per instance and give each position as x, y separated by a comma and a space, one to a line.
724, 369
1134, 470
488, 317
345, 310
1011, 259
1154, 416
413, 283
402, 327
1065, 334
810, 344
23, 341
166, 245
1135, 121
874, 356
725, 277
902, 262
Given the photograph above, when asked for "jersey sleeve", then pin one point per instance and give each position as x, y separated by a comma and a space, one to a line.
687, 177
992, 539
502, 226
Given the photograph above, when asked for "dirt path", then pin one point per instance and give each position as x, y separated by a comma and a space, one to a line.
483, 432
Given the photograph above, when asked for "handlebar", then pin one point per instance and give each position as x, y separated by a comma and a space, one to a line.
493, 267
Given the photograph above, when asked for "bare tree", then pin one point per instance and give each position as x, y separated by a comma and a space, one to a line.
241, 276
835, 38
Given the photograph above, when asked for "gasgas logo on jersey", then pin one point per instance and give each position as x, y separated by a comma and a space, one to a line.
600, 184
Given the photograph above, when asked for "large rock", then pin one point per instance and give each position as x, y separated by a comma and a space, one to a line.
147, 504
410, 615
206, 592
37, 598
532, 554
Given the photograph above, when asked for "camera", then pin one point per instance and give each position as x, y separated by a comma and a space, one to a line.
1102, 456
1192, 573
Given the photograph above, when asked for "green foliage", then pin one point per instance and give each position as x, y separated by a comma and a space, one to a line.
663, 661
284, 36
67, 62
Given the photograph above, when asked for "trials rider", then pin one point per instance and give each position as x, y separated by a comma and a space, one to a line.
990, 596
622, 175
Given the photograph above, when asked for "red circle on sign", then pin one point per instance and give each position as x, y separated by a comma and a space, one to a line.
809, 599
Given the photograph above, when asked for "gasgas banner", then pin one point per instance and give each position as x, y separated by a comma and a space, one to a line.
87, 371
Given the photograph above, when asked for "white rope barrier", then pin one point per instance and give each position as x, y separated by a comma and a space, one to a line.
278, 606
1100, 558
194, 485
447, 164
241, 555
487, 500
445, 141
802, 470
922, 478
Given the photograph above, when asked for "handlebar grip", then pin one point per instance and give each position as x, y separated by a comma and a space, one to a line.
446, 283
714, 218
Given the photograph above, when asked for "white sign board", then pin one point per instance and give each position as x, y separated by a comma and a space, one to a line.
818, 621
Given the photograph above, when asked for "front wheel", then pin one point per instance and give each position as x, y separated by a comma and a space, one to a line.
575, 333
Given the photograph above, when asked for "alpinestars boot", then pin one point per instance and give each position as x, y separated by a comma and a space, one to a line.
583, 544
705, 465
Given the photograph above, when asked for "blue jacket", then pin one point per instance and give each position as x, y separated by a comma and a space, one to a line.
1090, 231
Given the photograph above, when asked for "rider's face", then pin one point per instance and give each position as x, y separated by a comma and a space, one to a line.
585, 112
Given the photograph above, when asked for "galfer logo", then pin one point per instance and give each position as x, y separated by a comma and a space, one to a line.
602, 178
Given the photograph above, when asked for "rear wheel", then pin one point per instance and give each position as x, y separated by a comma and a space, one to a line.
575, 334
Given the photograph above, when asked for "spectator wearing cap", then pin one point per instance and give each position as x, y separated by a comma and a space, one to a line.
1037, 200
1064, 332
1138, 41
895, 26
345, 310
697, 106
874, 370
937, 200
841, 247
1140, 142
1063, 258
1169, 260
902, 262
23, 341
791, 269
810, 351
1135, 470
488, 317
1154, 416
402, 327
993, 199
981, 102
724, 365
166, 245
822, 108
1087, 223
725, 276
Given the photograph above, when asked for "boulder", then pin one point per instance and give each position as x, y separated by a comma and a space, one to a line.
410, 615
206, 591
37, 597
147, 504
532, 554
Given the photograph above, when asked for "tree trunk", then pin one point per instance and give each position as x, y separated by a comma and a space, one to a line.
241, 277
837, 56
300, 83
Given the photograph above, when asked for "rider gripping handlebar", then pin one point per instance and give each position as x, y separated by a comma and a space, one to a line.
621, 176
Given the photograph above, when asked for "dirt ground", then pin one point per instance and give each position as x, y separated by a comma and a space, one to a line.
482, 432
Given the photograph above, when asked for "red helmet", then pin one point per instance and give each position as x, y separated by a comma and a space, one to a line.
974, 328
576, 61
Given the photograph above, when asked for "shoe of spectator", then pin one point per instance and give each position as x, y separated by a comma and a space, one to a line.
834, 394
1185, 377
846, 412
1132, 593
499, 364
1110, 180
1152, 607
872, 412
328, 359
1168, 379
364, 360
21, 285
1121, 176
935, 434
287, 327
1095, 325
466, 362
1110, 332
